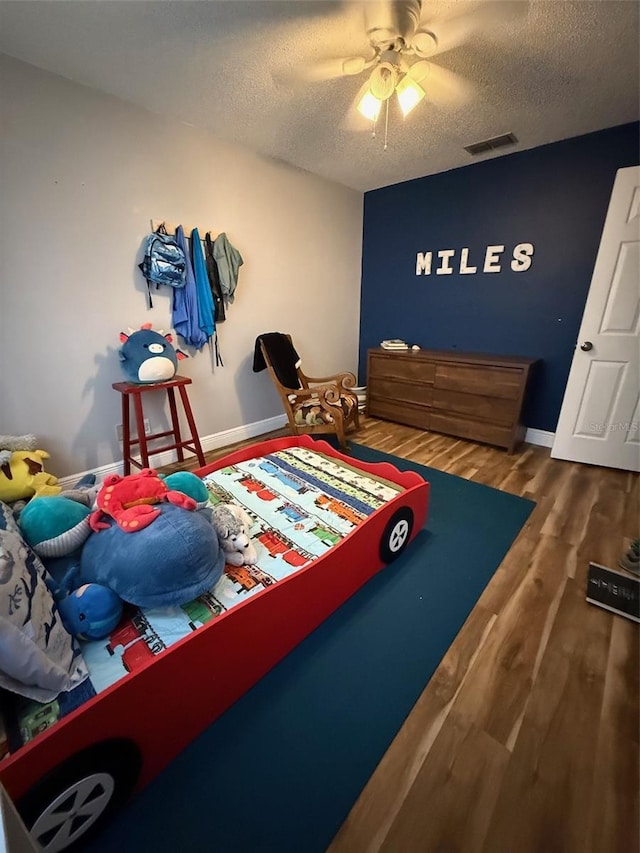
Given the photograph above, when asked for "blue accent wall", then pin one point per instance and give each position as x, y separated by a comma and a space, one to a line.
555, 197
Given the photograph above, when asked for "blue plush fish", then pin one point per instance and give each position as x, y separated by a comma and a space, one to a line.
91, 612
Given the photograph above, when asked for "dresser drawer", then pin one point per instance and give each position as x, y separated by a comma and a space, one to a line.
402, 367
496, 411
403, 392
404, 413
465, 427
503, 382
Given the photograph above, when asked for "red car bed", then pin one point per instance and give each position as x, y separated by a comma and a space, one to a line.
338, 521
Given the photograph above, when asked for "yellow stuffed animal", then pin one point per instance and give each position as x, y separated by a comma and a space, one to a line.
23, 476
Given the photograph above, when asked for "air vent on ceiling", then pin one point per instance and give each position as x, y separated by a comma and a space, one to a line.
491, 144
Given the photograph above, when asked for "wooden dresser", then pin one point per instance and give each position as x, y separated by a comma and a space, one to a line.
470, 395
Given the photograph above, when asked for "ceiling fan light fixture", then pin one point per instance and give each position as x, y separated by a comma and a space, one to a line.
409, 93
424, 43
369, 106
383, 80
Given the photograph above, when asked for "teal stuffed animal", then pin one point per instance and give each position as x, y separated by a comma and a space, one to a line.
55, 526
188, 484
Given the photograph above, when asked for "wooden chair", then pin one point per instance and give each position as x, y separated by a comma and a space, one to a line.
320, 404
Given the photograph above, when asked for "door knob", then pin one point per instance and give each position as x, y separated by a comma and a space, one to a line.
586, 346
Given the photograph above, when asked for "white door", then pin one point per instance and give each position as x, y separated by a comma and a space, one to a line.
599, 420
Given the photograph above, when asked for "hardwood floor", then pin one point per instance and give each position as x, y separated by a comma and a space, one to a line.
526, 738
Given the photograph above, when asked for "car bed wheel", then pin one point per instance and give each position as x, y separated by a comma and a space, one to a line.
76, 799
396, 535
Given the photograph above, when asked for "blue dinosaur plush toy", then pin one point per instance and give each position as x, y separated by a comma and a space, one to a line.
148, 356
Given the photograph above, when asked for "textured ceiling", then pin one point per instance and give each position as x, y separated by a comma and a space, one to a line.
544, 70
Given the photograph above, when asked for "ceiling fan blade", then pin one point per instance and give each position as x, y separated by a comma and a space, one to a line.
443, 87
388, 20
324, 69
356, 65
483, 19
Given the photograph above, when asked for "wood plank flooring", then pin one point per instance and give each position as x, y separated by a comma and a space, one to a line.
526, 738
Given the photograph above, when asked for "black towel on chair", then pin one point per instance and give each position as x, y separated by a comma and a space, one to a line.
282, 356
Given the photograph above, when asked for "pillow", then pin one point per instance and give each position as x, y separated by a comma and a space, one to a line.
7, 518
38, 658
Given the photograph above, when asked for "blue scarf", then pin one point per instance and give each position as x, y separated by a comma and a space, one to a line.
203, 288
185, 318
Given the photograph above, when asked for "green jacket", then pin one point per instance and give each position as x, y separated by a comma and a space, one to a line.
229, 261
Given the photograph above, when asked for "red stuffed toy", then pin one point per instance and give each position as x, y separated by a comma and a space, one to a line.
129, 500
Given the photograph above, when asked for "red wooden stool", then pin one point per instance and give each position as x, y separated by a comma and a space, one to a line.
131, 390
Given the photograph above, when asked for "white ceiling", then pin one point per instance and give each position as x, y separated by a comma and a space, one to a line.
544, 70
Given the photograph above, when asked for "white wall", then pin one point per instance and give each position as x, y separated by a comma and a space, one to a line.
82, 174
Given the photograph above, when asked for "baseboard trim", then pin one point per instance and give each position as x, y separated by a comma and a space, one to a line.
209, 442
541, 437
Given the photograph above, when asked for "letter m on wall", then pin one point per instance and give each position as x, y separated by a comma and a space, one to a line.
423, 263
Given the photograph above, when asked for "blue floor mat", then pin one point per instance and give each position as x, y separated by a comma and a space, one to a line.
279, 771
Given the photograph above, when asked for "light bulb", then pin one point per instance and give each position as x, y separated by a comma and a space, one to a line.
369, 106
409, 94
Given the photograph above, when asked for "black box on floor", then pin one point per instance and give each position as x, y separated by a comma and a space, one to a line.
615, 591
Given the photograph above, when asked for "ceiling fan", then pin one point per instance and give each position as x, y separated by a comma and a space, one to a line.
400, 45
404, 37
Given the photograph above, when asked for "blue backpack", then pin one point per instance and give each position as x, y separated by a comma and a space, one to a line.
164, 261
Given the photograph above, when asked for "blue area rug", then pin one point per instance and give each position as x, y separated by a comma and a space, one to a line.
279, 772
